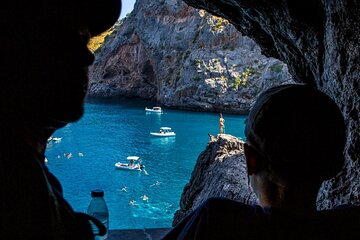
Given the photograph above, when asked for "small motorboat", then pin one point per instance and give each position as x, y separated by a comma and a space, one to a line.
133, 165
153, 110
164, 132
54, 139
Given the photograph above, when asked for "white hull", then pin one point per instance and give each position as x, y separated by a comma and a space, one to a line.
153, 110
169, 134
122, 166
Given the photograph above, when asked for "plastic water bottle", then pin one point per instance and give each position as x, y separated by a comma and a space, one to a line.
98, 209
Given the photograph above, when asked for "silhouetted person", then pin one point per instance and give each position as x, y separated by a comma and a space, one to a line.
295, 140
44, 60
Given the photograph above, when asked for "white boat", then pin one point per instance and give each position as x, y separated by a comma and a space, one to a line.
133, 165
56, 139
154, 109
164, 132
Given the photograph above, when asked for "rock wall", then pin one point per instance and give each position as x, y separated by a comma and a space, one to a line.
183, 58
220, 171
320, 43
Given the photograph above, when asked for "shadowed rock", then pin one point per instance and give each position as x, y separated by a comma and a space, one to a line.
220, 171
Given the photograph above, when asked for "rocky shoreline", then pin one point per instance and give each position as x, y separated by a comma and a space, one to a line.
220, 171
183, 58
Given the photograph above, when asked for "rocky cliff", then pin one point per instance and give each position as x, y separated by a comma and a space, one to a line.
184, 58
320, 43
220, 171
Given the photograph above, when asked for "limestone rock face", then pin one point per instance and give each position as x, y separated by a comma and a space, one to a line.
320, 43
183, 58
220, 171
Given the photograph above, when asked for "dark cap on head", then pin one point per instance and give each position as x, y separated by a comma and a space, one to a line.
98, 15
300, 132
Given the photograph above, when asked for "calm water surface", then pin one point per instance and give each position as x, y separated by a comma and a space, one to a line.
112, 130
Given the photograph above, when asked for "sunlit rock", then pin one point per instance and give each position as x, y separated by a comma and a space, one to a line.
184, 58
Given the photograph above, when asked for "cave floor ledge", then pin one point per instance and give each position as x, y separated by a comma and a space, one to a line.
138, 234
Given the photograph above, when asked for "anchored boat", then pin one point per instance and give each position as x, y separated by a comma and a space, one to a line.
154, 110
134, 164
164, 132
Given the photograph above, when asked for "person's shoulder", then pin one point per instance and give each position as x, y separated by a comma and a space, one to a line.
327, 224
341, 221
216, 204
229, 219
220, 218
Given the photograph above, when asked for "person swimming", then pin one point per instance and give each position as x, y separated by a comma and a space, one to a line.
157, 183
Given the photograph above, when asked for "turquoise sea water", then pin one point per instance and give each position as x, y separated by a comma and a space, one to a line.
112, 130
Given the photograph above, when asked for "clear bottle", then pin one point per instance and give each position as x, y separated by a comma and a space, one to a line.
98, 209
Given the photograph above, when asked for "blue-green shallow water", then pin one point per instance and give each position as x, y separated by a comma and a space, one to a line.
112, 130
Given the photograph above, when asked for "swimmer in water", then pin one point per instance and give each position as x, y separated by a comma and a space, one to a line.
145, 198
157, 183
123, 189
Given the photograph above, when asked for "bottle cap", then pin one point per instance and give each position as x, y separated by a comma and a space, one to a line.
97, 193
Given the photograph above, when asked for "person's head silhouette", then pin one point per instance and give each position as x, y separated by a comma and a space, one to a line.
44, 60
45, 57
295, 140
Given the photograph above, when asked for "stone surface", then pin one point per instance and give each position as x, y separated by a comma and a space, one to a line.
220, 171
183, 58
138, 234
320, 43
